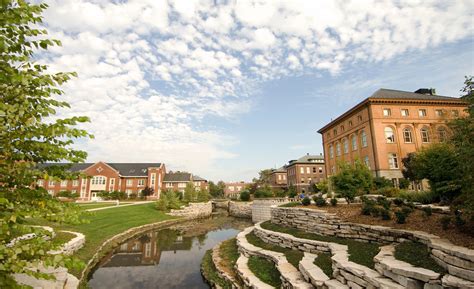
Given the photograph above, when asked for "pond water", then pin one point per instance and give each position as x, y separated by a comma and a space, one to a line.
166, 258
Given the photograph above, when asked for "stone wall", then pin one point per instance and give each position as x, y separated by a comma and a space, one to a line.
194, 210
459, 261
261, 208
72, 245
240, 209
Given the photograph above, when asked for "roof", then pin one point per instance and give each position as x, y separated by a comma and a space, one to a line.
307, 159
198, 178
124, 169
177, 177
394, 95
279, 170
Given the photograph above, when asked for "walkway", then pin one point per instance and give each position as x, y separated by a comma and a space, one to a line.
120, 206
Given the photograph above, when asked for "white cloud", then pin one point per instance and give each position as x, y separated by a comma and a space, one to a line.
150, 71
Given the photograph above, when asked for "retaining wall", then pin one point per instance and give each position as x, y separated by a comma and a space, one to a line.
194, 210
261, 208
240, 209
459, 261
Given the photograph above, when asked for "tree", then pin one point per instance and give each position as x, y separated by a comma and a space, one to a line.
245, 196
217, 190
30, 135
190, 194
263, 192
314, 188
147, 191
323, 186
203, 195
264, 177
382, 182
409, 171
292, 191
352, 180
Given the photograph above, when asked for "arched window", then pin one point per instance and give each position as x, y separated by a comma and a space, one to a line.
331, 151
407, 135
346, 145
425, 134
442, 134
338, 149
363, 137
389, 135
354, 142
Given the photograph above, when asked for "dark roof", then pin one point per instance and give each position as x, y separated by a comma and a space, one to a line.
308, 159
177, 177
198, 178
394, 95
125, 169
279, 170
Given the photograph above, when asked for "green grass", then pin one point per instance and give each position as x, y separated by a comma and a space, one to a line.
87, 206
323, 261
291, 204
417, 254
209, 270
62, 238
293, 256
265, 270
359, 252
106, 223
229, 252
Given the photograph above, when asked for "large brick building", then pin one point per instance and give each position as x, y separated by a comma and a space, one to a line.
278, 178
232, 190
385, 127
130, 178
305, 171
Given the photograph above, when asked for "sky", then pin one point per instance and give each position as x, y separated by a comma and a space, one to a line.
224, 89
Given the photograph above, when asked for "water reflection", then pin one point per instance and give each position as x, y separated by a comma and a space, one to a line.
168, 258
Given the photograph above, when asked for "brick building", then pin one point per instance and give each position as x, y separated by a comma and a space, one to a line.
385, 127
232, 190
305, 171
177, 181
278, 178
130, 178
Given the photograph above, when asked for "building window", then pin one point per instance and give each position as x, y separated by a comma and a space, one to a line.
181, 185
129, 183
74, 191
354, 142
152, 180
98, 180
141, 182
333, 169
387, 112
454, 113
335, 132
169, 185
40, 183
366, 161
75, 183
51, 192
302, 170
404, 112
389, 135
128, 192
302, 180
359, 118
350, 123
363, 137
346, 145
63, 184
392, 161
422, 112
279, 177
331, 151
111, 184
314, 170
407, 137
439, 112
308, 170
342, 128
320, 169
51, 183
425, 135
284, 177
442, 134
338, 149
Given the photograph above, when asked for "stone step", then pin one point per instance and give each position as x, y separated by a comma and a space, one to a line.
312, 273
334, 284
249, 279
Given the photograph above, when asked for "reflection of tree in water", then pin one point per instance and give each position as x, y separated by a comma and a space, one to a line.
172, 240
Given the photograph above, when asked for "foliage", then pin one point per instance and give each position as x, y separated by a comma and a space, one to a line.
313, 188
320, 201
292, 191
398, 202
290, 204
352, 180
217, 190
68, 194
147, 191
264, 177
190, 193
306, 201
323, 186
409, 169
203, 195
263, 192
424, 197
404, 183
114, 195
428, 211
30, 135
245, 196
385, 213
333, 202
265, 270
279, 192
169, 200
401, 216
387, 191
445, 221
418, 255
382, 182
209, 271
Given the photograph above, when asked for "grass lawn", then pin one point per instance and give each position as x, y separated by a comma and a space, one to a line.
293, 256
418, 255
62, 238
265, 270
87, 206
210, 272
229, 254
107, 223
323, 261
359, 252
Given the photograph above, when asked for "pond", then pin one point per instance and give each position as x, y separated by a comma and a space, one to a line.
166, 258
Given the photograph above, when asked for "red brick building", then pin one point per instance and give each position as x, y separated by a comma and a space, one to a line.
177, 181
232, 190
305, 171
278, 178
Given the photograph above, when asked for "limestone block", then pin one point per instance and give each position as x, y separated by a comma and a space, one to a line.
453, 281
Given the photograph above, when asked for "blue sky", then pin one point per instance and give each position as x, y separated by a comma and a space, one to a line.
226, 88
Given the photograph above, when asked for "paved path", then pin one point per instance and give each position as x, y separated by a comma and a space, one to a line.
119, 206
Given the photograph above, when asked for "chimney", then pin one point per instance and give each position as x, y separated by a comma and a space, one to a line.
307, 154
426, 91
321, 154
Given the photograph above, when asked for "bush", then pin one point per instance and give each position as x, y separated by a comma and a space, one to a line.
424, 197
162, 205
245, 196
263, 193
306, 201
385, 213
428, 211
382, 182
407, 210
133, 196
352, 180
333, 202
320, 201
400, 216
367, 206
376, 211
404, 183
445, 221
388, 192
384, 202
458, 220
398, 202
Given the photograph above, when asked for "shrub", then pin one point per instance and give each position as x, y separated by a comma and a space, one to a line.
352, 180
245, 196
385, 213
404, 183
428, 211
162, 204
445, 221
375, 212
333, 201
367, 206
384, 202
263, 193
424, 197
400, 216
133, 196
306, 201
407, 210
388, 191
458, 220
398, 202
320, 201
382, 182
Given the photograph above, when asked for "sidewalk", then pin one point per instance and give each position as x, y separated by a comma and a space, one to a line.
119, 206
